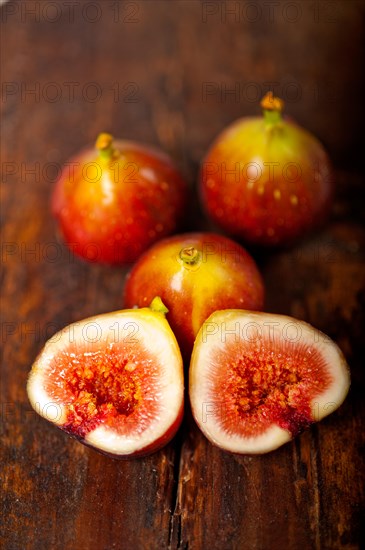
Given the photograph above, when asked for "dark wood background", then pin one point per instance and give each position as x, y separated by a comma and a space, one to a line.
174, 74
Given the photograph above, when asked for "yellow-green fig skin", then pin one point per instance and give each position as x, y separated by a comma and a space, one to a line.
195, 274
266, 180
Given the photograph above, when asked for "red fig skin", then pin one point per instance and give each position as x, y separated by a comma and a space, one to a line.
221, 275
113, 201
159, 443
154, 447
266, 180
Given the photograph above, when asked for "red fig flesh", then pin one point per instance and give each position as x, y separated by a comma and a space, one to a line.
113, 381
258, 379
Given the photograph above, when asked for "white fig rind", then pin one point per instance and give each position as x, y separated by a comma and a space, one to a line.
229, 325
153, 333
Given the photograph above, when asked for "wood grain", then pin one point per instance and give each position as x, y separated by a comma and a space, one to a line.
165, 71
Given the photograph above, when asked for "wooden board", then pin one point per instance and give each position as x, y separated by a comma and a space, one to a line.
174, 74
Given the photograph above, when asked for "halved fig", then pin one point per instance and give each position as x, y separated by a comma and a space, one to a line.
257, 379
114, 381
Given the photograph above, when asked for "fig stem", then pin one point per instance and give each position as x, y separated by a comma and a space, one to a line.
158, 306
272, 107
189, 255
104, 144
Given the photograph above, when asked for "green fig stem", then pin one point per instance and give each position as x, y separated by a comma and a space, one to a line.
158, 306
189, 255
104, 145
271, 108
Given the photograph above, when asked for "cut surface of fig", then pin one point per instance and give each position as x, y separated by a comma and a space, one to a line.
257, 379
113, 381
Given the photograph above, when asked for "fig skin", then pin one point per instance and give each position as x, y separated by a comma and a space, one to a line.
118, 413
266, 180
114, 200
256, 380
154, 447
222, 275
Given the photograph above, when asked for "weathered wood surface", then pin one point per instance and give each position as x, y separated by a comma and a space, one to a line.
161, 72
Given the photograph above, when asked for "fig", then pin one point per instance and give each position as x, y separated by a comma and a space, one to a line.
115, 200
258, 379
114, 381
195, 274
265, 179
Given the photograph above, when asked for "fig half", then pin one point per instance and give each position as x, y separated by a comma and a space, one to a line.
257, 379
114, 381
